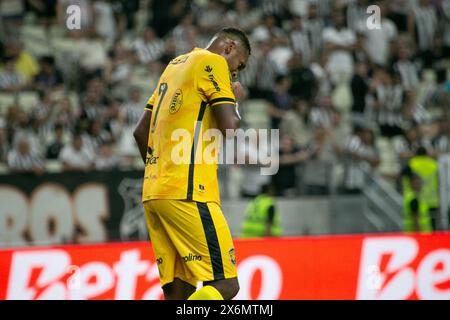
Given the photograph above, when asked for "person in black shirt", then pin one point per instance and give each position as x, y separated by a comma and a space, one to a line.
48, 76
280, 100
360, 88
304, 83
286, 180
57, 145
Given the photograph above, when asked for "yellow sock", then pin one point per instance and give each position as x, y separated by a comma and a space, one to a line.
206, 293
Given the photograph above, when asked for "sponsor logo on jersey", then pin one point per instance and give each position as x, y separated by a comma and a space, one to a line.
208, 69
214, 82
151, 159
179, 60
176, 102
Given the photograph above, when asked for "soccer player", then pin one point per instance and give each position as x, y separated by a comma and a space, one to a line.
189, 234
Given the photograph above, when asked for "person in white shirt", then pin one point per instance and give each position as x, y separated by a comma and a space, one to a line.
21, 159
424, 21
360, 153
148, 48
92, 53
299, 39
106, 159
10, 79
252, 179
105, 22
75, 156
378, 41
243, 16
409, 73
339, 42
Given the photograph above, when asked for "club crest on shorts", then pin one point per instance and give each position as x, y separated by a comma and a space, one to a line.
232, 255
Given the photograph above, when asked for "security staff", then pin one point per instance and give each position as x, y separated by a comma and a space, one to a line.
262, 218
427, 169
416, 213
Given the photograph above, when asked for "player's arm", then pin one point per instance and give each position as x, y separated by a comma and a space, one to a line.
226, 117
142, 128
214, 82
140, 133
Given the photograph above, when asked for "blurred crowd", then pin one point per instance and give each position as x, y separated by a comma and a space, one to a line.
337, 86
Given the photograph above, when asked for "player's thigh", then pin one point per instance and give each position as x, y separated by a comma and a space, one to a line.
224, 239
178, 221
164, 250
202, 238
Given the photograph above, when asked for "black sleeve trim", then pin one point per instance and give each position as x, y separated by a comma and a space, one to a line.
214, 101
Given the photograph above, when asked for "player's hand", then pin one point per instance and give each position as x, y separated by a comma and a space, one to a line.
238, 90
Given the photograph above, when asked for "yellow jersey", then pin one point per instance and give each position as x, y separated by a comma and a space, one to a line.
190, 86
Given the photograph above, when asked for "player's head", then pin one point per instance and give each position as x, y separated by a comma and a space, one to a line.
233, 45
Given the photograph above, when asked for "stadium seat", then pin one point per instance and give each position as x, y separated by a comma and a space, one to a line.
138, 164
33, 32
28, 99
254, 112
3, 168
53, 166
389, 164
6, 99
140, 71
145, 83
427, 83
234, 181
127, 40
35, 40
66, 53
342, 97
56, 31
142, 16
74, 100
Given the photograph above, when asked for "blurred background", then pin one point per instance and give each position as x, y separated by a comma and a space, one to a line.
361, 113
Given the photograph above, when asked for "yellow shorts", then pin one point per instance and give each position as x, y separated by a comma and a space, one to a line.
191, 241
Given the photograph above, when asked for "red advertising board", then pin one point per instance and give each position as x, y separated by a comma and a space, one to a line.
393, 266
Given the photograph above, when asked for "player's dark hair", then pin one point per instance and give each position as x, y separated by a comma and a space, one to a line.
237, 33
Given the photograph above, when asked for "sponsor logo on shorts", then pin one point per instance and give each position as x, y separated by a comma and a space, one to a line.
201, 188
159, 261
191, 257
232, 255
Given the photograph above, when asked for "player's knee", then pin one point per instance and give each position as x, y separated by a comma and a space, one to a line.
234, 288
230, 288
